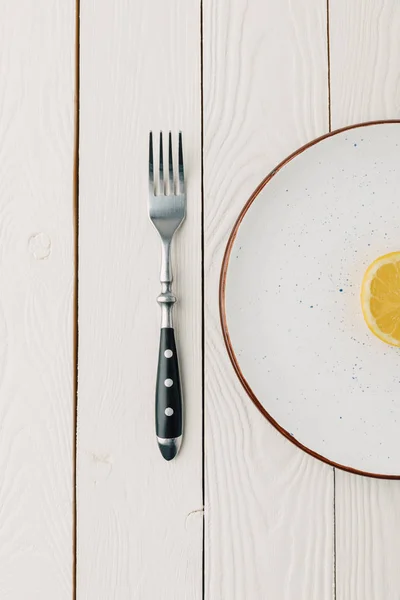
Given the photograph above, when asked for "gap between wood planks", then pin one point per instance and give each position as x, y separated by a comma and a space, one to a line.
328, 56
203, 456
76, 290
328, 53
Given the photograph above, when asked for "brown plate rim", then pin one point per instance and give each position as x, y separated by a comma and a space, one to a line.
222, 298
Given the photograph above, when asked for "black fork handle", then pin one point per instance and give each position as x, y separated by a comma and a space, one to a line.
168, 396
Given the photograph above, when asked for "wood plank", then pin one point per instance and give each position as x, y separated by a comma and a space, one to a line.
269, 507
368, 538
37, 62
365, 86
140, 518
365, 74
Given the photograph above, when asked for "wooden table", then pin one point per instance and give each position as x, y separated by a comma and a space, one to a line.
247, 82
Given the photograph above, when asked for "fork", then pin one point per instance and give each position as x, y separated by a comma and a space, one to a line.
167, 210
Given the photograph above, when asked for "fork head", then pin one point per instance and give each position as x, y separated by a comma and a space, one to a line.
167, 199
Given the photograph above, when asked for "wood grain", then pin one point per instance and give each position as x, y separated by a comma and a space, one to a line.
139, 518
365, 74
269, 507
37, 60
365, 85
368, 538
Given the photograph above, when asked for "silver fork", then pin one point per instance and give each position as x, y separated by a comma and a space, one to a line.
167, 210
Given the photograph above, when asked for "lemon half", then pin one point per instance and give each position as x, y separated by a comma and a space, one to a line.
380, 298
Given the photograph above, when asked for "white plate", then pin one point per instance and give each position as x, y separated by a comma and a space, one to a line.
290, 304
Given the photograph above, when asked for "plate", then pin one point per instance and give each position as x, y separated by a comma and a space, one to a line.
290, 298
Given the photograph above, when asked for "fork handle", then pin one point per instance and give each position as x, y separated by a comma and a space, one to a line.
168, 396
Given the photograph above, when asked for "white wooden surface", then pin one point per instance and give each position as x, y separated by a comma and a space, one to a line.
37, 62
269, 508
139, 518
269, 515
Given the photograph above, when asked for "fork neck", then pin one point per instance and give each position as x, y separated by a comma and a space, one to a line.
166, 269
166, 299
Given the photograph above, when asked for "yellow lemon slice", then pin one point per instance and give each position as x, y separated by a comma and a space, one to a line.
380, 298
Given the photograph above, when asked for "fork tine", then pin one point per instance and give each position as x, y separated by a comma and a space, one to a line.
181, 179
161, 190
151, 163
171, 166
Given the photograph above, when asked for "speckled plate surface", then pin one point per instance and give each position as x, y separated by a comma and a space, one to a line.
289, 298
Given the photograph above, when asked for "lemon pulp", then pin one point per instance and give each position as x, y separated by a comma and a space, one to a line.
380, 298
